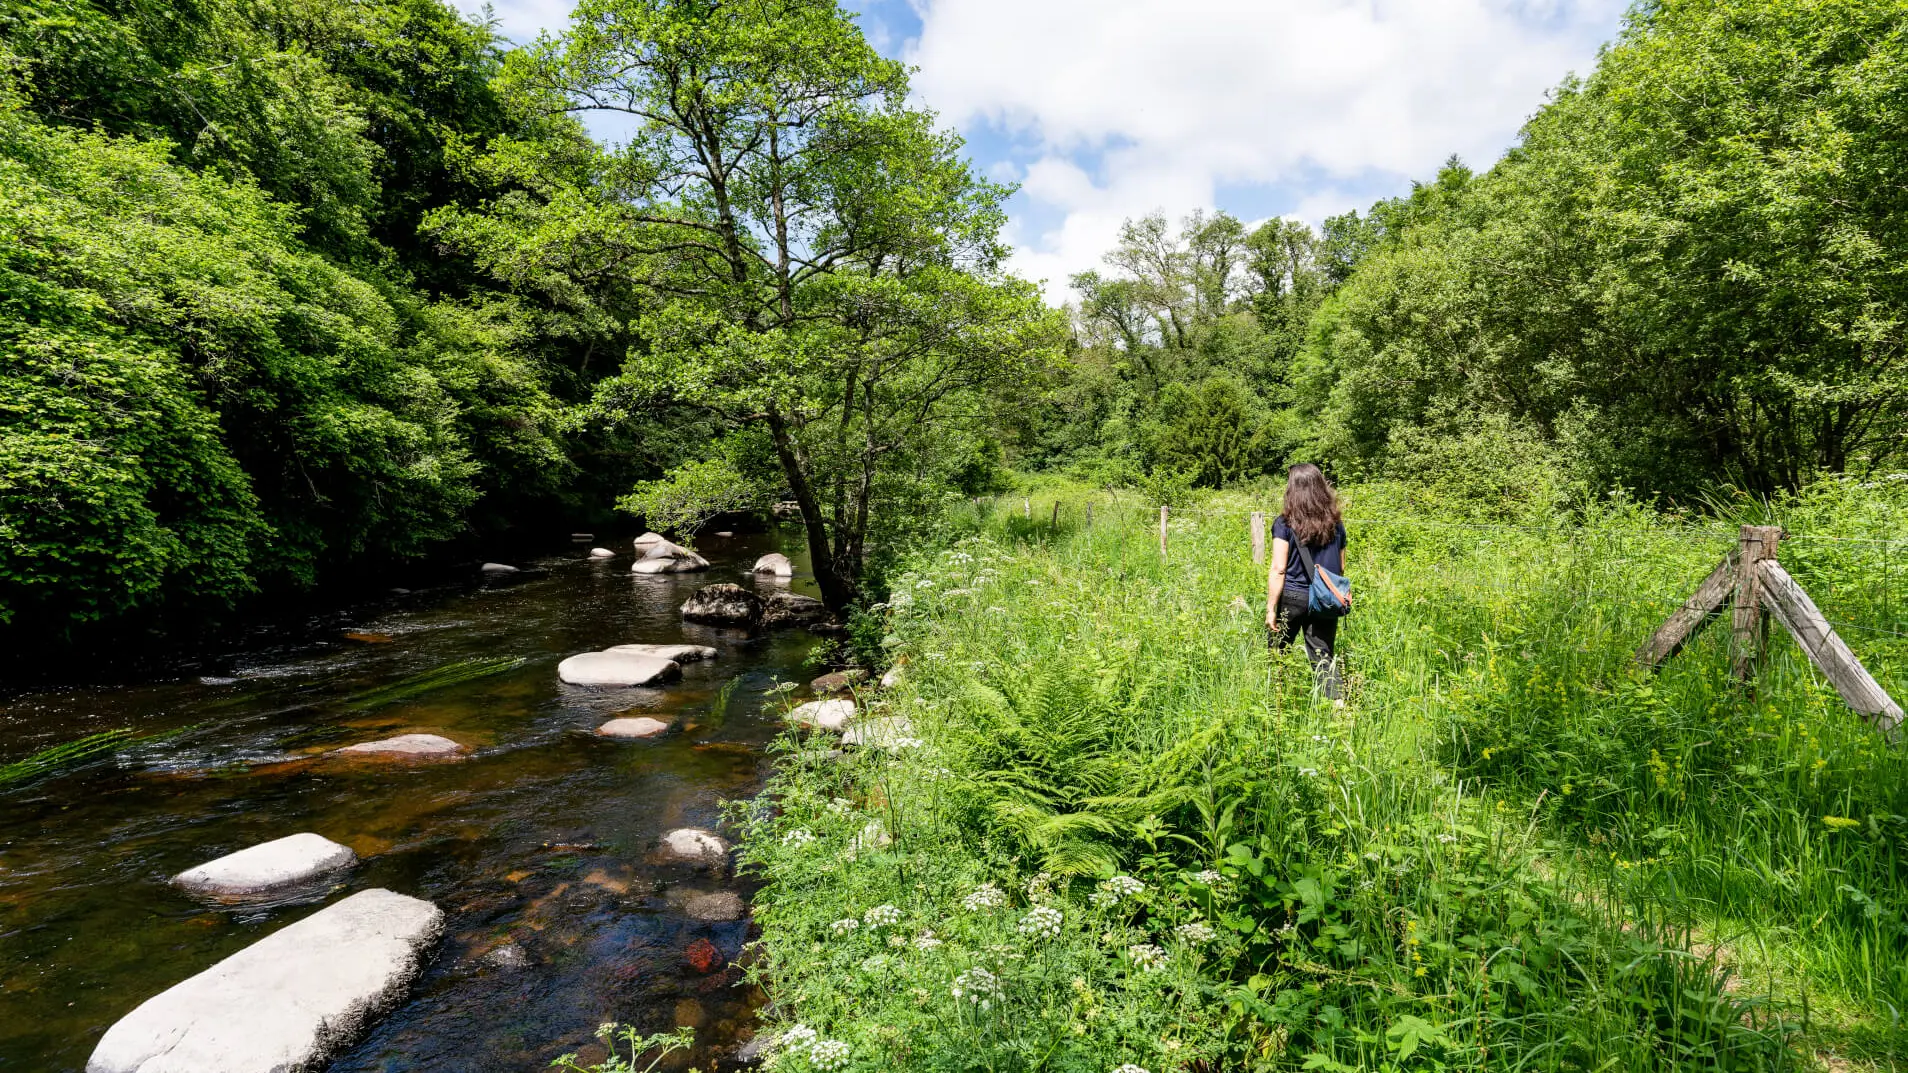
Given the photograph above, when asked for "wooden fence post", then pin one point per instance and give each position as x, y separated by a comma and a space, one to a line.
1818, 641
1089, 514
1162, 532
1676, 630
1756, 543
1026, 508
1258, 537
1054, 522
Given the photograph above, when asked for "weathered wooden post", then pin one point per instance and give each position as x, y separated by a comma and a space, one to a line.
1747, 626
1054, 522
1162, 532
1026, 508
1089, 514
1258, 537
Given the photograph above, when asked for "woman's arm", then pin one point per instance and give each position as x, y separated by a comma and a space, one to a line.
1275, 579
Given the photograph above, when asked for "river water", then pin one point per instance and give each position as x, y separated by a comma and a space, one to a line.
536, 845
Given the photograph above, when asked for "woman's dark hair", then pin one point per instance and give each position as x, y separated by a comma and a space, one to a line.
1310, 507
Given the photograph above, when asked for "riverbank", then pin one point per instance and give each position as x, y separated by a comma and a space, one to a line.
1128, 839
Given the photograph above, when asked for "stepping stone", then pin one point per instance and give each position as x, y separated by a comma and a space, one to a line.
582, 538
404, 746
648, 539
602, 553
679, 653
499, 568
716, 906
694, 845
839, 681
639, 727
890, 734
725, 533
823, 714
290, 1001
776, 564
617, 669
268, 867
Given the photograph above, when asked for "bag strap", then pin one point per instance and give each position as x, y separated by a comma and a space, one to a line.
1305, 556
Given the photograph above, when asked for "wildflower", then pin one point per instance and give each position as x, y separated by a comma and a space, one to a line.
1041, 922
1209, 877
924, 583
985, 896
798, 1036
1112, 890
977, 986
1147, 957
799, 837
1196, 932
926, 941
1309, 772
896, 940
604, 1030
1128, 1067
1839, 823
828, 1054
1040, 886
1447, 839
882, 916
845, 925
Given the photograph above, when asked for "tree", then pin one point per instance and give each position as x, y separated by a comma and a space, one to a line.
817, 259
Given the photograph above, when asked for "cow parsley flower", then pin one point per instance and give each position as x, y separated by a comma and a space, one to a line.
882, 916
926, 941
977, 986
1196, 932
798, 1036
1041, 922
828, 1054
845, 925
1147, 957
1040, 886
797, 838
1128, 1067
985, 896
1112, 890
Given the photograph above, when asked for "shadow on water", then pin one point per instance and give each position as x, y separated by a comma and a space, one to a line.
536, 844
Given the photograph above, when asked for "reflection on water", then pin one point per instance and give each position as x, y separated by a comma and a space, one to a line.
536, 844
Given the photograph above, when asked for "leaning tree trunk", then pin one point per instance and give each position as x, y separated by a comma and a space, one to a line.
839, 586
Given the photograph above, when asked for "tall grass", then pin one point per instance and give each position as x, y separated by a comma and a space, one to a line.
1507, 850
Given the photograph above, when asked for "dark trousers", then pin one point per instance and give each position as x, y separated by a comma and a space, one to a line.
1320, 633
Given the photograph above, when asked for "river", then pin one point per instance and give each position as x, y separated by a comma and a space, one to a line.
536, 844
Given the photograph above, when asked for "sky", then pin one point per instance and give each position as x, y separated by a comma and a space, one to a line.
1103, 110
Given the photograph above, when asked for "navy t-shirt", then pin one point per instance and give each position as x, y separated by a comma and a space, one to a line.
1330, 557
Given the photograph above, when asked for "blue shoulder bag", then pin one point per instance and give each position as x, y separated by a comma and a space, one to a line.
1330, 593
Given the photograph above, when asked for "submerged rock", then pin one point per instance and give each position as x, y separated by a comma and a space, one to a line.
287, 1002
510, 956
679, 653
617, 669
405, 745
694, 845
639, 727
723, 604
716, 906
292, 861
775, 563
823, 714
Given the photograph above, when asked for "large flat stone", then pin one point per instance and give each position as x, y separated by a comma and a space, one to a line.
617, 669
405, 746
694, 845
499, 568
823, 714
679, 653
285, 1003
638, 727
269, 866
688, 565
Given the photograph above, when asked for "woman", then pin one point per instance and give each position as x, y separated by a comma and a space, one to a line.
1309, 515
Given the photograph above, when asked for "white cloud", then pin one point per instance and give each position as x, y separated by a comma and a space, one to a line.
1117, 107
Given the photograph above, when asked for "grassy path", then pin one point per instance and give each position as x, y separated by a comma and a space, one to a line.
1127, 837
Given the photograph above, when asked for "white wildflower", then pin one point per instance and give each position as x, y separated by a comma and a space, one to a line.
829, 1054
606, 1029
1041, 922
977, 986
1147, 957
1040, 886
1309, 772
882, 916
845, 925
985, 896
1447, 839
800, 836
926, 941
901, 601
1210, 878
924, 583
1112, 890
1196, 932
798, 1036
1128, 1067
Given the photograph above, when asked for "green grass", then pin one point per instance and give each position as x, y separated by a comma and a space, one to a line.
66, 754
1508, 850
442, 676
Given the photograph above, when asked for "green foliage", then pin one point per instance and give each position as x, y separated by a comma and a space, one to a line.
71, 752
691, 495
1209, 431
621, 1039
1482, 467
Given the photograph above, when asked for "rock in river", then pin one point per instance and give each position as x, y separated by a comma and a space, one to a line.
267, 867
791, 609
723, 604
823, 714
679, 653
693, 845
404, 746
498, 568
716, 906
639, 727
838, 682
602, 553
287, 1002
617, 669
775, 563
659, 556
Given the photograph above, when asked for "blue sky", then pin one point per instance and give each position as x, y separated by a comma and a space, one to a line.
1107, 109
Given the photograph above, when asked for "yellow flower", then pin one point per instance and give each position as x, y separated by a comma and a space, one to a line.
1420, 971
1487, 754
1839, 823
